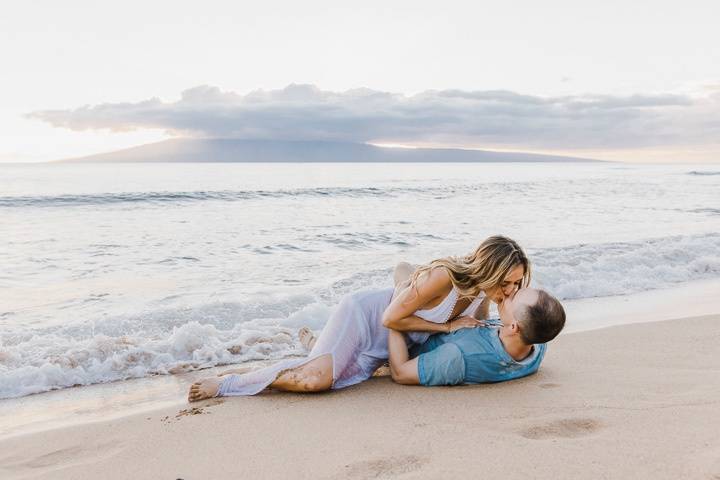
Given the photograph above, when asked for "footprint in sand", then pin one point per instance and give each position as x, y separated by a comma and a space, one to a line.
565, 428
50, 459
388, 467
549, 385
60, 458
704, 464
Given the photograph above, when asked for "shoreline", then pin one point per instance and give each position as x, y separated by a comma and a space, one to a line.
631, 401
99, 402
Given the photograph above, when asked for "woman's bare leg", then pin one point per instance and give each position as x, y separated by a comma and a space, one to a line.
401, 276
314, 376
402, 273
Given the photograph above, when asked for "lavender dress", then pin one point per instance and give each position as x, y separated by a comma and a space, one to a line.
355, 338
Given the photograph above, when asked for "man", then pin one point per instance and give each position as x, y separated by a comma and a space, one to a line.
529, 319
514, 348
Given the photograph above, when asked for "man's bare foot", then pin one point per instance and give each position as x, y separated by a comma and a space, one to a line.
307, 338
205, 388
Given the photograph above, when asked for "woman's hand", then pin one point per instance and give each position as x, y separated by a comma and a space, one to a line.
464, 322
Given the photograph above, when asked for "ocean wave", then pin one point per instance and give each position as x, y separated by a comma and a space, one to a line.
264, 328
697, 172
308, 243
53, 362
597, 270
231, 195
157, 343
711, 211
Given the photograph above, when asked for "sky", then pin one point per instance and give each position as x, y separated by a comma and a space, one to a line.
616, 80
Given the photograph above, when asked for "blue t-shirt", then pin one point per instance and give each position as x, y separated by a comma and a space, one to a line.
471, 355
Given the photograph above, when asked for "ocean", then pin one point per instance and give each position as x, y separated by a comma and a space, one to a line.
111, 272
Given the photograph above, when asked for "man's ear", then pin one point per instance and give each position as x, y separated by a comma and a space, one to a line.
514, 328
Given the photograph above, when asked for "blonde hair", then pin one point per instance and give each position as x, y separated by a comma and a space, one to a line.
482, 269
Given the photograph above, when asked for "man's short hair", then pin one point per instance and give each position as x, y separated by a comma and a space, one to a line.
542, 321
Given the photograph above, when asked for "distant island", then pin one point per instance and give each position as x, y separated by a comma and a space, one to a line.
273, 151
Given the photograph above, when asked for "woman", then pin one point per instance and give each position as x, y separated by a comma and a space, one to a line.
440, 297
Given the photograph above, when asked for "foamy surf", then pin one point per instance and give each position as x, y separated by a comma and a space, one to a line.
174, 341
114, 272
52, 362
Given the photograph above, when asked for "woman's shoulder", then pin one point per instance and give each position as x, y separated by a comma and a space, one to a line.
437, 277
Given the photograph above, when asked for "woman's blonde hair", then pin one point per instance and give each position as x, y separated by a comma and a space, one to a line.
482, 269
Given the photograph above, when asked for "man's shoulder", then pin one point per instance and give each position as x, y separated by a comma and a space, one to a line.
477, 333
472, 341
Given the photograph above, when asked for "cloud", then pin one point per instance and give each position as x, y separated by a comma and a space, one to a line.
441, 117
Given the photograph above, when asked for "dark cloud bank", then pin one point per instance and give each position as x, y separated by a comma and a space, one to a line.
445, 117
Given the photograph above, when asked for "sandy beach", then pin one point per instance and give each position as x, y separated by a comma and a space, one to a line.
634, 401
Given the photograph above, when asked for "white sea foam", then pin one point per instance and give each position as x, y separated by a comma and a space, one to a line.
166, 342
51, 362
112, 272
598, 270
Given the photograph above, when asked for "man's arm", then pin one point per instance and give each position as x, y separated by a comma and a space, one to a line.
402, 369
442, 364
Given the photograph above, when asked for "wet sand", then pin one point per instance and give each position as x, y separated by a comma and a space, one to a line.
632, 401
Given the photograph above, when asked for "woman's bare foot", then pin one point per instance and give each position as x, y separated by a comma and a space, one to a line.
307, 338
205, 388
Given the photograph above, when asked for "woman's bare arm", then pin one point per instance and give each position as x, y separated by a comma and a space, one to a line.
399, 315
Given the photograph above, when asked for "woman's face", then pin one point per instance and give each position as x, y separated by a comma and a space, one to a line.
510, 284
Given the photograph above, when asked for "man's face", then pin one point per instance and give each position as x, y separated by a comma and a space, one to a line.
513, 306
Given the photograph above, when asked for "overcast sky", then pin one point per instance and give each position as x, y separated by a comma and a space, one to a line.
638, 81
